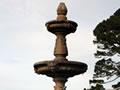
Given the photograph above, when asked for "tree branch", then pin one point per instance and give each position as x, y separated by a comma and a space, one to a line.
111, 80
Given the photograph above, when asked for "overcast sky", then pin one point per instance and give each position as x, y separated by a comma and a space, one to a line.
24, 40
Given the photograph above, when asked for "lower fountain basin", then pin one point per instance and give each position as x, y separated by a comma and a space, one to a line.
60, 68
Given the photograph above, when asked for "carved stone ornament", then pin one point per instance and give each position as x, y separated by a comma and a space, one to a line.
60, 69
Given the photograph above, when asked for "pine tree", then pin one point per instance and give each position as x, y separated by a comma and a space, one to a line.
107, 38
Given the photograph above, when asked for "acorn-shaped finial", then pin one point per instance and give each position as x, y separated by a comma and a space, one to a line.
61, 12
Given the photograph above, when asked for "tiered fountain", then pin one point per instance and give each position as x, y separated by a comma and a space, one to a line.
60, 69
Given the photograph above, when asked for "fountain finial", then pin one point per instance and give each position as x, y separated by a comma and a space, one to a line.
61, 11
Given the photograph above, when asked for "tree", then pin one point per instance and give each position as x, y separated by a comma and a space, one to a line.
107, 38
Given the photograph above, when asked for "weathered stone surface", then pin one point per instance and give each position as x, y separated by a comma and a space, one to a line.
61, 12
60, 68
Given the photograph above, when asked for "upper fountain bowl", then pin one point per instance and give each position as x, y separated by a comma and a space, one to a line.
64, 26
61, 24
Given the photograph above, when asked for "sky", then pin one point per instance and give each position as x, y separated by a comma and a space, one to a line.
24, 40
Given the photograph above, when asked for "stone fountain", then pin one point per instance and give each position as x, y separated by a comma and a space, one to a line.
60, 68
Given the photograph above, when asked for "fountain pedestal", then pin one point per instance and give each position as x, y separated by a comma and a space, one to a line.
60, 69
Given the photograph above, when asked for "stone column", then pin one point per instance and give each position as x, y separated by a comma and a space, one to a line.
60, 51
60, 83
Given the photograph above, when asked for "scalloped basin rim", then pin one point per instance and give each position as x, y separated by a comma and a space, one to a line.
60, 68
58, 62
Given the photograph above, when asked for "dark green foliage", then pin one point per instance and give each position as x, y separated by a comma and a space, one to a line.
107, 35
117, 85
96, 81
97, 87
107, 68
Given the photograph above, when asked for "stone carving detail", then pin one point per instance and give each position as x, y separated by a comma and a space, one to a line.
61, 12
60, 69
